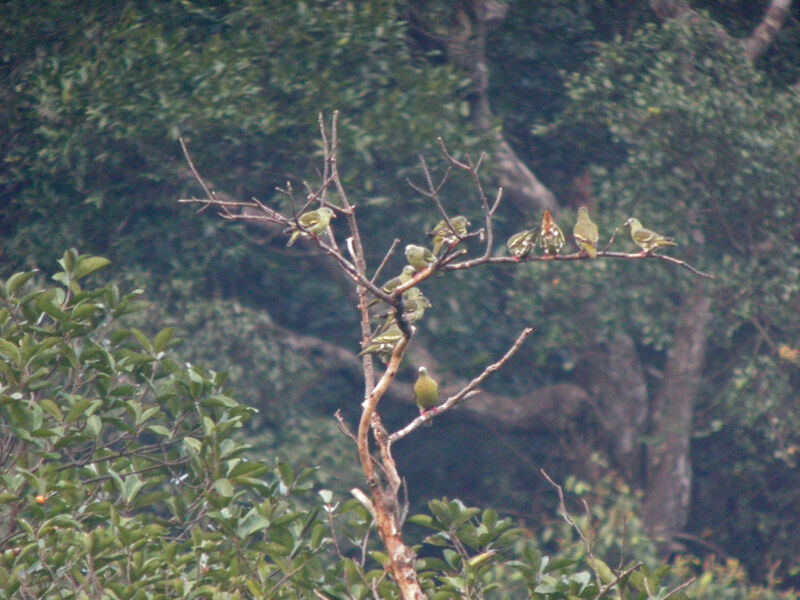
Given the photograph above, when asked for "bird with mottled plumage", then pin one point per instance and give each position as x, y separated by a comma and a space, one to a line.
445, 234
585, 233
419, 257
313, 222
521, 244
551, 239
646, 239
384, 343
426, 392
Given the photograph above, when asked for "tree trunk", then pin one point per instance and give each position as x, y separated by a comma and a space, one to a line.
669, 473
758, 42
768, 29
466, 48
613, 376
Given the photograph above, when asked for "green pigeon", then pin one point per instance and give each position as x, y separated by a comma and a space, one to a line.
419, 257
412, 293
426, 392
442, 234
383, 344
521, 244
585, 233
644, 238
551, 239
314, 222
395, 282
413, 311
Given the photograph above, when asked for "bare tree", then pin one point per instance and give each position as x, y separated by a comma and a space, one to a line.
383, 481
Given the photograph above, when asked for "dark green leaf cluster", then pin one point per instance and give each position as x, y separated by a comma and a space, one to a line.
710, 157
121, 472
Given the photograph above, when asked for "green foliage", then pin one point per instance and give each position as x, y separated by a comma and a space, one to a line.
121, 472
95, 109
710, 158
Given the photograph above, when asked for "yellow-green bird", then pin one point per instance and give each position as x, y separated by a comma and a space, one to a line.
443, 234
551, 239
413, 311
395, 282
419, 257
412, 293
521, 244
383, 344
646, 239
314, 222
585, 233
426, 392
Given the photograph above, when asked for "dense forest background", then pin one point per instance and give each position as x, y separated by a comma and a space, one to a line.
668, 401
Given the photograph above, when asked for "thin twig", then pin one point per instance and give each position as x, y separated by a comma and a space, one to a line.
612, 584
565, 513
206, 189
385, 260
681, 587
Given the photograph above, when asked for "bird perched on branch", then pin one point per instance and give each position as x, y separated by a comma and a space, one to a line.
384, 343
413, 310
585, 233
426, 392
419, 257
443, 233
395, 282
521, 244
314, 222
646, 239
551, 239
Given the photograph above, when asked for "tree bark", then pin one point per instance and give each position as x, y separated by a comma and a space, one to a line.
768, 29
613, 376
758, 42
669, 473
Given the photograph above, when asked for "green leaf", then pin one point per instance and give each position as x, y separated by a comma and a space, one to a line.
224, 487
11, 351
142, 339
286, 473
89, 264
162, 339
425, 521
17, 280
158, 430
131, 487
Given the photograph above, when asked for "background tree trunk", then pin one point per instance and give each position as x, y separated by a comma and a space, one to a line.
669, 472
612, 374
466, 48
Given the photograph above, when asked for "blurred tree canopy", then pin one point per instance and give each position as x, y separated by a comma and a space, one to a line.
611, 104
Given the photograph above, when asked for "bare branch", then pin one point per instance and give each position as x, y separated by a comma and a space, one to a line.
209, 194
386, 258
680, 587
494, 260
369, 406
468, 390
